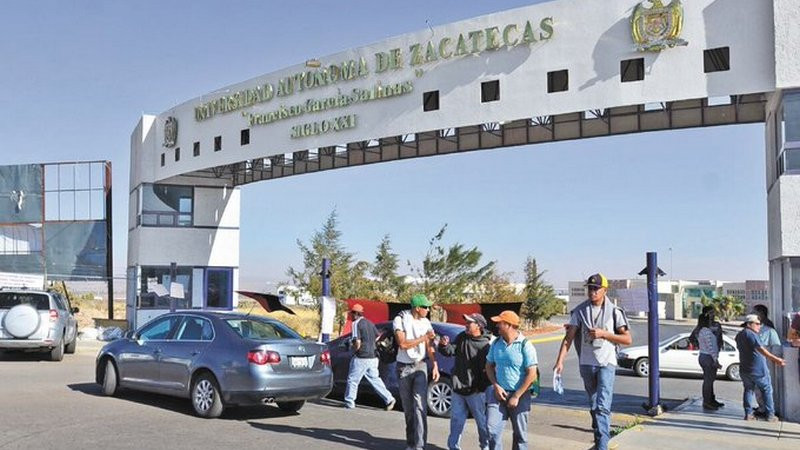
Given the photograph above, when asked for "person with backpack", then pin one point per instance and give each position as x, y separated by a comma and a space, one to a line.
365, 360
414, 337
469, 379
597, 327
511, 367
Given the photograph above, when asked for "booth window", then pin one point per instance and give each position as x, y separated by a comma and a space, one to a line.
245, 136
557, 81
717, 59
196, 149
217, 143
430, 101
219, 288
490, 91
155, 287
632, 70
166, 205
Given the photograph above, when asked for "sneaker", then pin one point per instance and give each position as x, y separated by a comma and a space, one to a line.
346, 406
749, 417
771, 418
719, 405
390, 405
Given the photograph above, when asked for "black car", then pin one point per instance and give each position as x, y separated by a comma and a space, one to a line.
439, 393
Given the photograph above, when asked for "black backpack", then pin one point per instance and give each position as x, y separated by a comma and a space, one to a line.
386, 347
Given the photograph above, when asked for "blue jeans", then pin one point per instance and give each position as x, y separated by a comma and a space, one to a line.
412, 382
360, 368
461, 407
496, 415
599, 385
764, 385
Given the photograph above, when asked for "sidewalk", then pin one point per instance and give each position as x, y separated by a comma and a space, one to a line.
689, 426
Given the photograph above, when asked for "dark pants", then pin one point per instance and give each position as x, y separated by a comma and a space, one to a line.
413, 386
709, 375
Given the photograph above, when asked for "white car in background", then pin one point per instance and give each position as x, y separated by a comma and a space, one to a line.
678, 355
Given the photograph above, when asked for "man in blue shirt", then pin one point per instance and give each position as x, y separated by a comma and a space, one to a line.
753, 368
511, 368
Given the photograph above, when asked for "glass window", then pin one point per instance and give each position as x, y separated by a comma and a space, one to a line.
51, 205
22, 239
98, 175
195, 329
158, 330
97, 205
83, 176
166, 205
680, 344
727, 347
11, 299
66, 202
156, 281
791, 118
82, 205
59, 303
261, 329
558, 81
51, 177
219, 284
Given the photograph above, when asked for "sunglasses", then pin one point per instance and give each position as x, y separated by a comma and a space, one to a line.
423, 307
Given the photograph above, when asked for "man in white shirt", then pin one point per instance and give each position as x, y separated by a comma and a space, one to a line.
414, 335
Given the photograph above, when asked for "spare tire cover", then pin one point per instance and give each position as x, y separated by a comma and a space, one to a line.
21, 321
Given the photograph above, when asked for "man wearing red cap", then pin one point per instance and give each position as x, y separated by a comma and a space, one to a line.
599, 327
365, 361
511, 368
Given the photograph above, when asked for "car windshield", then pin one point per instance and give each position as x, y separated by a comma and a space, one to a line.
252, 328
10, 299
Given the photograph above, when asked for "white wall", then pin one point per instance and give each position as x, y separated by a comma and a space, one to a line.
217, 207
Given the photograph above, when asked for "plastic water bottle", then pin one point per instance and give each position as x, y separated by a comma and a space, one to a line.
558, 388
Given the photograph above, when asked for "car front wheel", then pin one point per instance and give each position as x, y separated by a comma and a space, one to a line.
110, 379
733, 372
642, 367
440, 397
206, 398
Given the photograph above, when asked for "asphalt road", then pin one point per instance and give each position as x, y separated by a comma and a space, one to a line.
57, 405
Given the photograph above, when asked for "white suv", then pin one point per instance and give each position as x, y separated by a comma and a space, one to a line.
37, 321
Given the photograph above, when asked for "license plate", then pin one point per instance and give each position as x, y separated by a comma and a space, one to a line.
298, 362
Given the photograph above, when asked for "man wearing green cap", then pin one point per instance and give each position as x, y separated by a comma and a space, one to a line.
414, 335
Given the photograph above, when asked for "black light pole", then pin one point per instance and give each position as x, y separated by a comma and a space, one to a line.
654, 407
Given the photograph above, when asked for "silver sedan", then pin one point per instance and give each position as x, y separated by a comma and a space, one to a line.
218, 360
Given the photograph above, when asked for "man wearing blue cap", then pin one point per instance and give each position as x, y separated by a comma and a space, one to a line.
600, 326
414, 335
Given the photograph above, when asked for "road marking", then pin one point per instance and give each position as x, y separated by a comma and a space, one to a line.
546, 339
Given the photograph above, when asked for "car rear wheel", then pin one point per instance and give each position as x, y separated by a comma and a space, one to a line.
440, 397
291, 406
733, 372
57, 353
110, 379
642, 367
206, 398
70, 348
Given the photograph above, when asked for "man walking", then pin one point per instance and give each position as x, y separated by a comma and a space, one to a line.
364, 361
511, 368
469, 379
414, 336
753, 368
599, 327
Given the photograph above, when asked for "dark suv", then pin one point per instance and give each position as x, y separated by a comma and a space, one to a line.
38, 321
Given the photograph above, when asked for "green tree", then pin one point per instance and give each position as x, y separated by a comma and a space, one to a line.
388, 284
726, 307
497, 288
447, 273
541, 302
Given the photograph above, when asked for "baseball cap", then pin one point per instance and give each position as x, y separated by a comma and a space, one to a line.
357, 308
420, 300
477, 318
597, 280
751, 318
507, 316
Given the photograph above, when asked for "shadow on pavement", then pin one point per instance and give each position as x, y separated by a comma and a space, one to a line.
577, 399
20, 356
350, 438
182, 405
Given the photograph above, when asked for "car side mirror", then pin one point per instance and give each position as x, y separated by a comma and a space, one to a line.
75, 310
129, 334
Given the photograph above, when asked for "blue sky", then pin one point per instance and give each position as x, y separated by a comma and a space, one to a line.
77, 75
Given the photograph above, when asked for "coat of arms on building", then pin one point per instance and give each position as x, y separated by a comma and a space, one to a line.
170, 132
657, 26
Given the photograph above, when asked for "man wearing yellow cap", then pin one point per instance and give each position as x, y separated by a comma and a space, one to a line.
599, 327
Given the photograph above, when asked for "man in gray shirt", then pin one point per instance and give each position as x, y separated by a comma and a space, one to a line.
599, 327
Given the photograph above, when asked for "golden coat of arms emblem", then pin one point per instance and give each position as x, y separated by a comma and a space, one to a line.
657, 26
